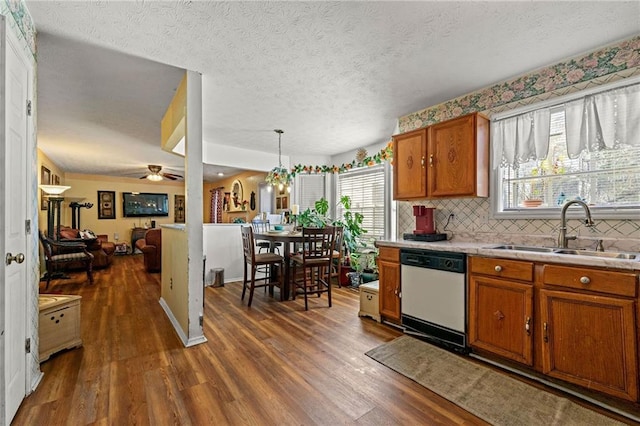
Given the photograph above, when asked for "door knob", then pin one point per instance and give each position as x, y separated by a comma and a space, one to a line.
17, 258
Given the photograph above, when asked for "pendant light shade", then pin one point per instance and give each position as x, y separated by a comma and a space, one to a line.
279, 176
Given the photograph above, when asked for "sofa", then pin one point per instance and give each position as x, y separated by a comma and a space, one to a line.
100, 247
151, 248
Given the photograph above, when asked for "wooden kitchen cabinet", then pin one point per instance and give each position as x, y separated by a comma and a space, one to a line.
409, 165
501, 308
573, 323
448, 159
390, 291
588, 338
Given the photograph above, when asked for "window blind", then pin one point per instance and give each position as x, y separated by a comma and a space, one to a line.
312, 188
365, 187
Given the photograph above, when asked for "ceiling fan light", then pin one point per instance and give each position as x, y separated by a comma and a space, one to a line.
154, 178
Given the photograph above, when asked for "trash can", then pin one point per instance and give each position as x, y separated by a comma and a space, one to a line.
218, 277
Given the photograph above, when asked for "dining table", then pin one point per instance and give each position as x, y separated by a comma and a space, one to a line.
287, 238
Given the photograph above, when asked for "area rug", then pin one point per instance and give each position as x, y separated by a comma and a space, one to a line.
494, 397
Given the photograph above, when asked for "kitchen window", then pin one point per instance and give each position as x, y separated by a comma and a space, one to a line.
584, 146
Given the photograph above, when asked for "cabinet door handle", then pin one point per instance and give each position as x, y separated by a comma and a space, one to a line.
545, 335
422, 161
498, 268
585, 280
527, 326
431, 160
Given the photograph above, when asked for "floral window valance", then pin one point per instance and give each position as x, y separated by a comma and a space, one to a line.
593, 122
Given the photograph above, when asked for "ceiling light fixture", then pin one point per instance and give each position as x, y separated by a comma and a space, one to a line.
154, 177
279, 176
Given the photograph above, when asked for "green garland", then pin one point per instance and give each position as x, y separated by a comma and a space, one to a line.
385, 154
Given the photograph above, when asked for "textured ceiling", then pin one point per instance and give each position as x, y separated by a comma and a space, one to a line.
333, 75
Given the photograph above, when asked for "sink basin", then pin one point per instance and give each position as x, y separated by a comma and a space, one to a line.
555, 250
605, 254
524, 248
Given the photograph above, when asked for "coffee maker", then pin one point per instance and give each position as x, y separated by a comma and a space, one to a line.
425, 222
425, 225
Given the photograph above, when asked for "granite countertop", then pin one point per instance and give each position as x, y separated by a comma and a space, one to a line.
484, 249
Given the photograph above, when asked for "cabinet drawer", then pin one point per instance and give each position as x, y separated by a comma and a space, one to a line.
504, 268
390, 254
618, 283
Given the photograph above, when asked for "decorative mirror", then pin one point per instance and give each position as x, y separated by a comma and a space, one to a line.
237, 195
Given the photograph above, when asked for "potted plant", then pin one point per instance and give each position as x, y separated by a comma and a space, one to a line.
355, 277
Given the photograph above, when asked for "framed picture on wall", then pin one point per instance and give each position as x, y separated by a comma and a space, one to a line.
45, 179
106, 205
179, 209
278, 203
55, 180
285, 203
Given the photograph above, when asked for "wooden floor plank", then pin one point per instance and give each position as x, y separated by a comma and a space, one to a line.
271, 364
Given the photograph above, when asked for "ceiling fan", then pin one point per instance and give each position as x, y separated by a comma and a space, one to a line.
155, 174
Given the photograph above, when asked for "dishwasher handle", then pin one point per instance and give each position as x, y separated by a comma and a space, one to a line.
415, 260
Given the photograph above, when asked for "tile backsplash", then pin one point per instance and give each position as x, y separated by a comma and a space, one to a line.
472, 221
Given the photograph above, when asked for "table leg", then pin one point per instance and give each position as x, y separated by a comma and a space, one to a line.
287, 276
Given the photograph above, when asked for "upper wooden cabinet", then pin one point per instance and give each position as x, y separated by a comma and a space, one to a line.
448, 159
409, 161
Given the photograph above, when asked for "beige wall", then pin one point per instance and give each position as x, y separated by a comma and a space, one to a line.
84, 189
43, 160
87, 187
250, 181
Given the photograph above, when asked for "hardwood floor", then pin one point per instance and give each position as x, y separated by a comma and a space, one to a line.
272, 363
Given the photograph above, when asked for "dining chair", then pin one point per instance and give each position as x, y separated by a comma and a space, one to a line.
58, 254
315, 261
253, 260
262, 227
337, 255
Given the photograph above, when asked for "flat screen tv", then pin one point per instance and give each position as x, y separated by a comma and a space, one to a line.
144, 204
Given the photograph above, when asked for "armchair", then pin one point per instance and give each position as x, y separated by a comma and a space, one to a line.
60, 254
151, 248
101, 249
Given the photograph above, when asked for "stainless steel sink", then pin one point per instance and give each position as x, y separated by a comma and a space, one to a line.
524, 248
562, 251
605, 254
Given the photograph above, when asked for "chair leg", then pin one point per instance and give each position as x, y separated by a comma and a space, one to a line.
253, 285
293, 282
329, 287
90, 272
244, 281
306, 302
281, 280
49, 273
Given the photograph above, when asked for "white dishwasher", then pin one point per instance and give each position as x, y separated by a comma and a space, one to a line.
434, 296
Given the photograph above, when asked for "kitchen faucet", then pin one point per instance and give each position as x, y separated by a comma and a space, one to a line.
563, 238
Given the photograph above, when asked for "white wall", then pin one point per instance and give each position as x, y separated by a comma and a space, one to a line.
223, 248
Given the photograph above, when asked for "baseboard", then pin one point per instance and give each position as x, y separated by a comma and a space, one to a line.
174, 321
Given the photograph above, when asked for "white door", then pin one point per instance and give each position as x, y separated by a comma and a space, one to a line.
13, 161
